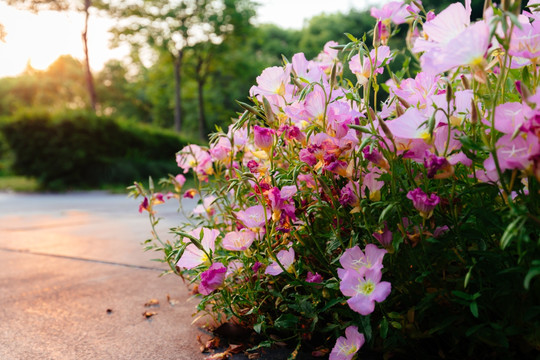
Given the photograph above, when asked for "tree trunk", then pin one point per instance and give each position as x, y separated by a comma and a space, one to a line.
89, 78
178, 91
201, 79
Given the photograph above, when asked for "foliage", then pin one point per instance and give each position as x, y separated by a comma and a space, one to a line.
77, 149
410, 228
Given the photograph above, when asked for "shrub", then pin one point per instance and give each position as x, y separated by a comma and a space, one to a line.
404, 229
78, 149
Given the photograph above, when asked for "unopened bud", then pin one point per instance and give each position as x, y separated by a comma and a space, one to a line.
386, 130
333, 75
377, 34
523, 90
465, 82
474, 112
270, 117
403, 102
399, 110
449, 92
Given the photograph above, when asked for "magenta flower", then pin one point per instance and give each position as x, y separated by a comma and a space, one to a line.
422, 202
263, 137
384, 236
307, 156
212, 278
434, 163
348, 195
347, 346
314, 278
281, 201
238, 240
364, 289
286, 258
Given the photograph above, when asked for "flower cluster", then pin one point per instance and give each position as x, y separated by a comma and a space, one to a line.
433, 181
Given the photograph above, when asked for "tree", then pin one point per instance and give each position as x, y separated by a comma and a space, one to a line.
63, 5
165, 26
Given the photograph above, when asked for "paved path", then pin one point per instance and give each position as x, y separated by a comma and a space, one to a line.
74, 280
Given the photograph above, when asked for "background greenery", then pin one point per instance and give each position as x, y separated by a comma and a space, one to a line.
135, 93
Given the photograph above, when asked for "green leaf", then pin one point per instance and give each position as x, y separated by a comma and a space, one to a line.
534, 271
474, 308
385, 212
512, 231
384, 328
286, 321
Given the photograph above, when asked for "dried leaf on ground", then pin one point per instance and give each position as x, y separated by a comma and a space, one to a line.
172, 301
152, 303
149, 314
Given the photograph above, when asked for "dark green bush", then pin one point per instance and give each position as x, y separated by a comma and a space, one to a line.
81, 150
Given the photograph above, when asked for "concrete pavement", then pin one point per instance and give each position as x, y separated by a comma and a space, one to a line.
74, 280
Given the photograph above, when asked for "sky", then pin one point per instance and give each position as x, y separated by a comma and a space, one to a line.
39, 39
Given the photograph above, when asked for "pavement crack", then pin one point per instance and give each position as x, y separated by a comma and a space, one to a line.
76, 258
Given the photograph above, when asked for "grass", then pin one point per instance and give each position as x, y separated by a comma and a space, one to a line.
18, 184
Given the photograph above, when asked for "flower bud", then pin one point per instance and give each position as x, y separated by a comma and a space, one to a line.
263, 138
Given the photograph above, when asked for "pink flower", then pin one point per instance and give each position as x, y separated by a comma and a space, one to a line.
423, 203
347, 346
193, 256
206, 207
362, 67
304, 69
515, 153
525, 42
212, 278
449, 24
508, 117
179, 181
355, 259
272, 80
194, 157
238, 240
327, 57
221, 150
253, 217
286, 258
396, 11
263, 138
234, 267
416, 91
469, 48
364, 289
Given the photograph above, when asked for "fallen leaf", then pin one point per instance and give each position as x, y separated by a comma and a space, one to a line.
172, 301
213, 343
236, 349
149, 314
152, 303
219, 356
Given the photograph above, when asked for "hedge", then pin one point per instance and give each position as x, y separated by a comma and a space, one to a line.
82, 150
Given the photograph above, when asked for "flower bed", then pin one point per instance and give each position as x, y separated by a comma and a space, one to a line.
406, 228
